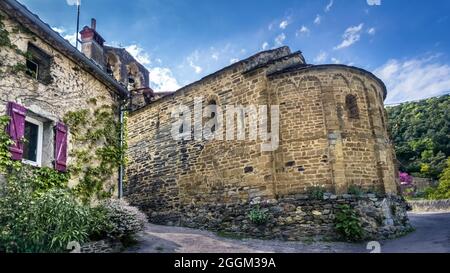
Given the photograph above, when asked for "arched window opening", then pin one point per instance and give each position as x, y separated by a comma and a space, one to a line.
351, 106
113, 66
213, 115
135, 78
131, 82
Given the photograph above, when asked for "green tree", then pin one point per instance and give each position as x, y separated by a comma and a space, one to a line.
421, 134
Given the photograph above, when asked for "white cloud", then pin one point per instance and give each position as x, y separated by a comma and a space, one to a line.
374, 2
317, 20
60, 30
192, 60
351, 36
162, 79
414, 79
335, 61
371, 31
196, 68
321, 57
72, 38
265, 45
284, 24
215, 56
303, 31
280, 39
139, 54
73, 2
234, 60
69, 37
328, 7
270, 27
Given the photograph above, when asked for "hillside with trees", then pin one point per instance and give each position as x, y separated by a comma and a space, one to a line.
421, 134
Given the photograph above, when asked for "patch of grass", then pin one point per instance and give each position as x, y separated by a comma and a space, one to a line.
230, 235
308, 240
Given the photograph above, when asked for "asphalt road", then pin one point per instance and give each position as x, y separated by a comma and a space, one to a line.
432, 235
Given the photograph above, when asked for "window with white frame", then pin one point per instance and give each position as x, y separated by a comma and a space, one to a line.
33, 137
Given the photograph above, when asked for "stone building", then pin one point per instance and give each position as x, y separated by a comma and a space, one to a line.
332, 135
43, 78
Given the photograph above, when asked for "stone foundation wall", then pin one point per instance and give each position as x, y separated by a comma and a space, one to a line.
430, 205
103, 246
293, 218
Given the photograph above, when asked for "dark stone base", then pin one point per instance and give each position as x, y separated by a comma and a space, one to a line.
292, 218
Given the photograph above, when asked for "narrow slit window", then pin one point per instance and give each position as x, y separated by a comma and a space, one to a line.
351, 105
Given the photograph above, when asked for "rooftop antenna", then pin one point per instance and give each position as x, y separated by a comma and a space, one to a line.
78, 22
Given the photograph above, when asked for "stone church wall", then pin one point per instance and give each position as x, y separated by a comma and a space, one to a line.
332, 135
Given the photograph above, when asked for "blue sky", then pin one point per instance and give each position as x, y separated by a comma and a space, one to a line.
405, 43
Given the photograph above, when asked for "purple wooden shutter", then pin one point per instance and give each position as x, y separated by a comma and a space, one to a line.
61, 147
16, 128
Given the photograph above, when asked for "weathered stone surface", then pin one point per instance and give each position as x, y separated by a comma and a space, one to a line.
430, 205
322, 142
103, 246
309, 218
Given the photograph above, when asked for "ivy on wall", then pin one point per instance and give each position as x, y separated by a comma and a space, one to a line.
6, 164
41, 179
96, 153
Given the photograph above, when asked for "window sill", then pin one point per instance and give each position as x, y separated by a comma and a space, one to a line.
31, 163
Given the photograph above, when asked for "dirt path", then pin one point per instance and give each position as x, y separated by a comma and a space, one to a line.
432, 235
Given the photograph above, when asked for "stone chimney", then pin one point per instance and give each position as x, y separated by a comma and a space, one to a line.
92, 43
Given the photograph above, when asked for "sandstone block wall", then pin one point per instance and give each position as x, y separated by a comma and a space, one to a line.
324, 141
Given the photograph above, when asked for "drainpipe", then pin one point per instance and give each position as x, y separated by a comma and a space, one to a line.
121, 167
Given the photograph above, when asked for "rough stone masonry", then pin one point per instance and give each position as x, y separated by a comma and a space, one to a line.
332, 134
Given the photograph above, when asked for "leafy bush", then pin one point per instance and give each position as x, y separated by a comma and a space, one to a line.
121, 221
442, 191
40, 223
258, 216
316, 192
347, 224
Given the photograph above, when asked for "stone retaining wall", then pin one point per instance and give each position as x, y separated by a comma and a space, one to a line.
430, 205
103, 246
293, 218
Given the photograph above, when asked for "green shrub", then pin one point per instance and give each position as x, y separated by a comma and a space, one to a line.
40, 223
442, 191
316, 192
347, 224
258, 216
121, 221
355, 190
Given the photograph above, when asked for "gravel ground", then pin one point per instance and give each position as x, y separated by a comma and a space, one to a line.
432, 235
